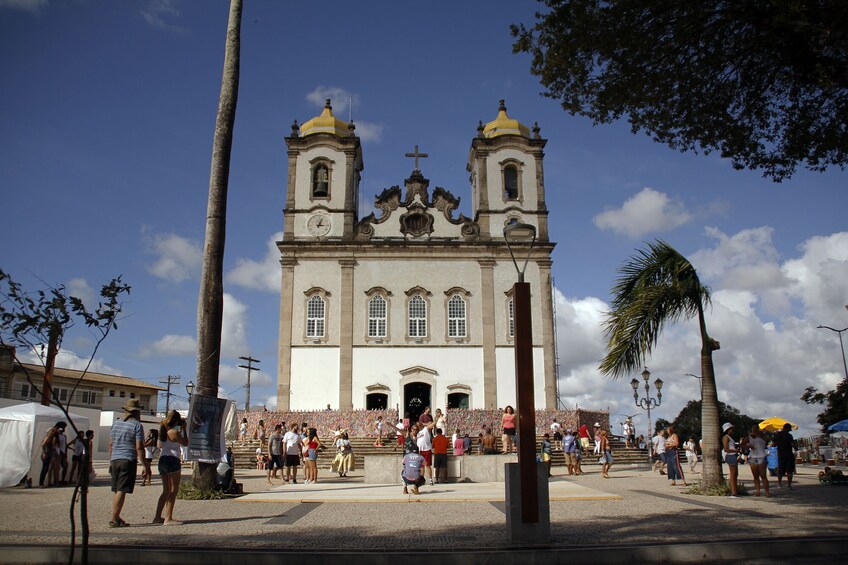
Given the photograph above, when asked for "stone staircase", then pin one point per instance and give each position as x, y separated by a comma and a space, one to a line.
244, 454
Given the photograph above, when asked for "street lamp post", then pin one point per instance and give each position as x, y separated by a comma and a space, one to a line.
647, 403
190, 390
531, 526
841, 345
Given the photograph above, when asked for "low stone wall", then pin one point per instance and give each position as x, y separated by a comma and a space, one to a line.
386, 469
362, 423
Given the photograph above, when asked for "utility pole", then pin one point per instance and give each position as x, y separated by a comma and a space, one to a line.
250, 360
171, 380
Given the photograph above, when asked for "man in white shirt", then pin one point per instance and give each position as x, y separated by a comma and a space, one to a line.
659, 451
629, 434
424, 440
400, 432
292, 442
556, 432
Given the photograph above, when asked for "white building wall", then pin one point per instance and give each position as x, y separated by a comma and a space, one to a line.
325, 274
436, 276
505, 357
315, 378
453, 365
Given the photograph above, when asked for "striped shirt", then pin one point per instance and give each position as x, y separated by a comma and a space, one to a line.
124, 435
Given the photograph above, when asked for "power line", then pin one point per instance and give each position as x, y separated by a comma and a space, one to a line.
171, 380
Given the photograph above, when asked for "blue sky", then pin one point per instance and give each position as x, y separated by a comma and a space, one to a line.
107, 112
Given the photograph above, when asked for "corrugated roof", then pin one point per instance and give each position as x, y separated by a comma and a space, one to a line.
91, 377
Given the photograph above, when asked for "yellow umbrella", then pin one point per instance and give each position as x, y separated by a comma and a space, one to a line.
775, 424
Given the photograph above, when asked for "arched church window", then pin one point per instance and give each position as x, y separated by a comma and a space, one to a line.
417, 314
315, 320
456, 317
510, 179
377, 316
320, 181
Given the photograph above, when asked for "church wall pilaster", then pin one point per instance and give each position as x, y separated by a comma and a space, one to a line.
285, 342
490, 365
548, 334
346, 335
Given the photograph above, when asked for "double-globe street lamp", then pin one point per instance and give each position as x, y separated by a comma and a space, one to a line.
648, 402
532, 526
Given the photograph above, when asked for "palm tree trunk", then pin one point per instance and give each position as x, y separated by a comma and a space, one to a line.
210, 309
711, 448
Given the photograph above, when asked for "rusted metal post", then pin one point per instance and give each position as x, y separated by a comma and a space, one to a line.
526, 404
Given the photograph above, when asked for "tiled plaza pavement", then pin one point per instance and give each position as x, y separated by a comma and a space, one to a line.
633, 507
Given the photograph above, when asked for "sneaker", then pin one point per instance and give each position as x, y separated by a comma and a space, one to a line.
733, 496
432, 483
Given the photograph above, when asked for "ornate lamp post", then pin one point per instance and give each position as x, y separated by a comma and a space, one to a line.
190, 389
647, 403
530, 527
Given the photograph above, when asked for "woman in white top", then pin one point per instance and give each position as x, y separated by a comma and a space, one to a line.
757, 458
441, 422
172, 435
731, 456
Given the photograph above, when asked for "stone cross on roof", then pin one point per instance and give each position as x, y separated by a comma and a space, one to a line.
416, 155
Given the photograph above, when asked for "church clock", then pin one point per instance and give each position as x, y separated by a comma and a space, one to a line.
318, 225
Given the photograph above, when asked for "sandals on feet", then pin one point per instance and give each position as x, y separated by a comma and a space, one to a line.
119, 523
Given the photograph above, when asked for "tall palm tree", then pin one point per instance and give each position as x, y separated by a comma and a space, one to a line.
659, 286
210, 304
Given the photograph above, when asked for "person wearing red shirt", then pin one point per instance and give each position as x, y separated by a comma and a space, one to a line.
583, 432
440, 455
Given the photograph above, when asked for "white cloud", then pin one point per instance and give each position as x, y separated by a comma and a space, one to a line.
340, 99
80, 288
261, 275
233, 336
171, 346
157, 12
178, 259
234, 329
763, 366
646, 212
32, 6
369, 132
68, 359
819, 278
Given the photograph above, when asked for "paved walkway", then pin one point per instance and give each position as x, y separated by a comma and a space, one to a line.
635, 508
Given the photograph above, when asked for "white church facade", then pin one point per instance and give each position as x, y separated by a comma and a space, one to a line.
411, 305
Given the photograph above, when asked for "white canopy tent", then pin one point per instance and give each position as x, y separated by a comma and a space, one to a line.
22, 428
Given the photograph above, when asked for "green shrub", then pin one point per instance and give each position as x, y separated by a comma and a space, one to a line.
719, 490
190, 492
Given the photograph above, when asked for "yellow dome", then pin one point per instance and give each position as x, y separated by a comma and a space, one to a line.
504, 125
326, 123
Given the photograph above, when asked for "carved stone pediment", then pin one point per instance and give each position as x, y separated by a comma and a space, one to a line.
417, 220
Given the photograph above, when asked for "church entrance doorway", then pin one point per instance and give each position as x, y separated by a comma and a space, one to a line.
416, 397
376, 401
